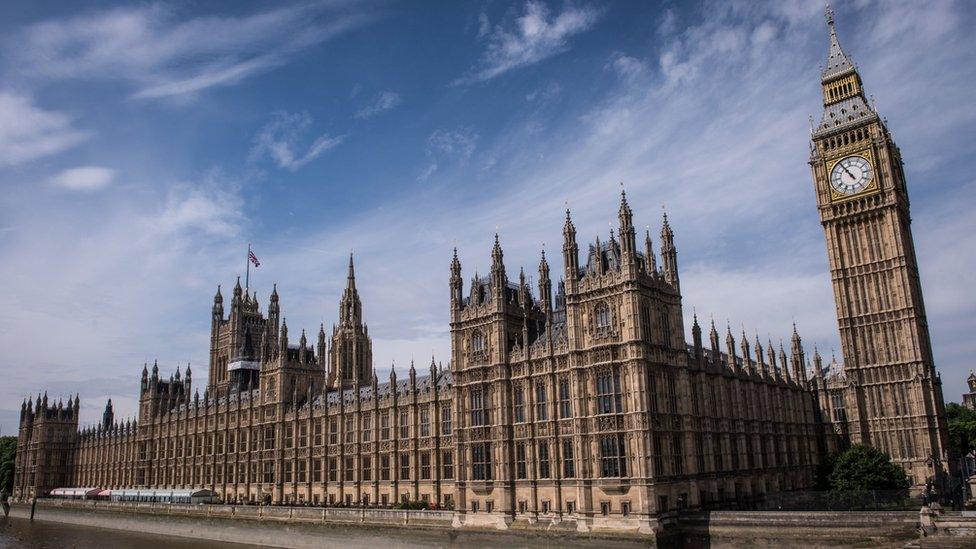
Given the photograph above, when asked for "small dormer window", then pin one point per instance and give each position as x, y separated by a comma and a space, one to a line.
602, 317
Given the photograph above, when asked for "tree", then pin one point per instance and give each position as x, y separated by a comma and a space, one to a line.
8, 449
962, 429
863, 467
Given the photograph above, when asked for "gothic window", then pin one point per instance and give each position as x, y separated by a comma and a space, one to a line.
350, 436
333, 432
478, 342
672, 393
385, 426
424, 422
608, 392
544, 460
404, 466
269, 438
602, 316
367, 468
520, 471
317, 437
569, 469
541, 411
348, 469
481, 461
367, 428
519, 398
447, 464
303, 435
385, 467
677, 457
404, 424
565, 408
446, 427
425, 466
479, 409
652, 391
612, 458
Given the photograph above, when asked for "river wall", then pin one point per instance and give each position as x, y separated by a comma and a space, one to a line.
301, 527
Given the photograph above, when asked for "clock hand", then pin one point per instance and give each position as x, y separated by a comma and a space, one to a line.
848, 171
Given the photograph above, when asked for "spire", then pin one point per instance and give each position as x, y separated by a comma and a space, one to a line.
669, 255
570, 252
350, 307
218, 307
651, 264
713, 342
351, 276
837, 60
696, 335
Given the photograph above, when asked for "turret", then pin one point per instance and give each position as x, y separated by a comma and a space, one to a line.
771, 355
457, 299
730, 350
144, 382
628, 237
108, 416
321, 348
545, 286
283, 340
649, 257
696, 337
570, 253
218, 306
797, 358
498, 278
713, 342
783, 363
817, 363
744, 347
669, 255
237, 300
302, 348
763, 367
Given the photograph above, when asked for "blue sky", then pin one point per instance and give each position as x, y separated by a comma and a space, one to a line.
143, 145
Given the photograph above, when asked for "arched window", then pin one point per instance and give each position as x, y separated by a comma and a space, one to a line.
602, 316
478, 342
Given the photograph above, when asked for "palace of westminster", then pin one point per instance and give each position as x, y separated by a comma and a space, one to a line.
582, 401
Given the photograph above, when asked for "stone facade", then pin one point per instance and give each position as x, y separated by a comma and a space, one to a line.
582, 401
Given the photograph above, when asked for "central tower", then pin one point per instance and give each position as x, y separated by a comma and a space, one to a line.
894, 398
351, 353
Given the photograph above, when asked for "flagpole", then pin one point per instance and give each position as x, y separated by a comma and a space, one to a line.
247, 271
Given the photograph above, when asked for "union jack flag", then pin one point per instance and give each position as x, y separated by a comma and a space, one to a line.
253, 258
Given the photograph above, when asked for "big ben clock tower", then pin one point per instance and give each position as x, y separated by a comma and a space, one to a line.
894, 395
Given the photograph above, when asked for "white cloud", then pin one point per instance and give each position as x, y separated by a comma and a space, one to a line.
627, 67
28, 132
534, 36
280, 140
84, 178
163, 55
385, 101
448, 146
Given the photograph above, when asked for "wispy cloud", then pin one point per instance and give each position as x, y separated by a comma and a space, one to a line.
534, 36
28, 132
84, 178
385, 101
455, 145
163, 55
281, 140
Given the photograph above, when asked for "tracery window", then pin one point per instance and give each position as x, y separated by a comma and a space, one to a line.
602, 316
612, 458
478, 342
519, 402
541, 411
479, 408
608, 392
481, 461
565, 409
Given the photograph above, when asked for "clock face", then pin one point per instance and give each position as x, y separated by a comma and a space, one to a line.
851, 175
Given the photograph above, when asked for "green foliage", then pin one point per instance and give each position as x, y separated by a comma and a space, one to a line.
822, 474
862, 467
8, 449
962, 429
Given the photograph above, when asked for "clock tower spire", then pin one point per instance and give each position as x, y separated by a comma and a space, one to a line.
894, 394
